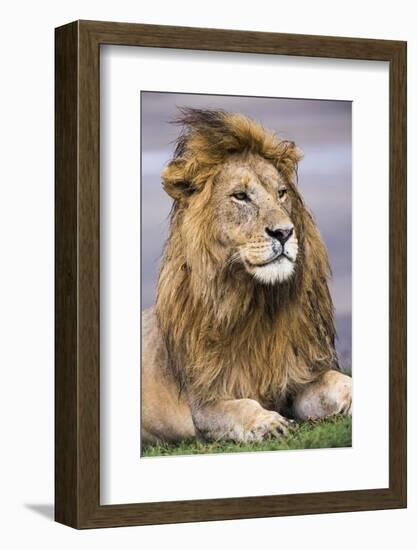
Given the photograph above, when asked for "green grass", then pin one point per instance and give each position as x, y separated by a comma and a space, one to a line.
332, 432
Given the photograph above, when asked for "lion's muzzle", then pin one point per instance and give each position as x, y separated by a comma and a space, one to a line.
271, 259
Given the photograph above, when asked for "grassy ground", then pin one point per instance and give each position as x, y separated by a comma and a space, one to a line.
332, 432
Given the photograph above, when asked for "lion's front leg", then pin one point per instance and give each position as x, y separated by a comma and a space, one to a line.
329, 395
237, 420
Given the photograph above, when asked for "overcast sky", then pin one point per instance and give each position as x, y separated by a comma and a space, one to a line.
322, 129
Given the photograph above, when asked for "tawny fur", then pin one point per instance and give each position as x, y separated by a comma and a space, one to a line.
227, 335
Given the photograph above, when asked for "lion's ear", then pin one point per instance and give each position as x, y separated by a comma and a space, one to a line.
176, 181
289, 158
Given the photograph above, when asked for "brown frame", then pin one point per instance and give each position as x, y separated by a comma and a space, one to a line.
77, 374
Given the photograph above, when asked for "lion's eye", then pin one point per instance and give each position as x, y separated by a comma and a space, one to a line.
241, 196
282, 193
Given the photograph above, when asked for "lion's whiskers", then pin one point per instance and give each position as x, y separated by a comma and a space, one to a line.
234, 258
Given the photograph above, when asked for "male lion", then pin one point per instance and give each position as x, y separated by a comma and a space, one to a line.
243, 326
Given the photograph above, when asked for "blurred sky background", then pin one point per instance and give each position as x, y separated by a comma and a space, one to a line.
322, 129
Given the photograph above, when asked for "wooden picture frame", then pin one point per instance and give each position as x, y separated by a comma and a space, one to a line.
77, 374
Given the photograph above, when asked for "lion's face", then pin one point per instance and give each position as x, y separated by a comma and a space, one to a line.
253, 205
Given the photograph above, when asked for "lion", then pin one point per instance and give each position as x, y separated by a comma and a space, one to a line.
241, 339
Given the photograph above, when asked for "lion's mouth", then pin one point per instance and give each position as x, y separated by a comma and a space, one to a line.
275, 259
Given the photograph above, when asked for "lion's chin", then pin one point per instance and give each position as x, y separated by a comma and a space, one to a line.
274, 272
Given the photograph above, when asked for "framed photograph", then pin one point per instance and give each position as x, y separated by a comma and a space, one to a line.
230, 274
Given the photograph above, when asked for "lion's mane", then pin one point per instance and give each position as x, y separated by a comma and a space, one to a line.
227, 335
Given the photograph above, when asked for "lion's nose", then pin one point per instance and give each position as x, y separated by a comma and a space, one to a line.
281, 234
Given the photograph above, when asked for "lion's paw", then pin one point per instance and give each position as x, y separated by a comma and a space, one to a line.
331, 395
240, 420
265, 425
